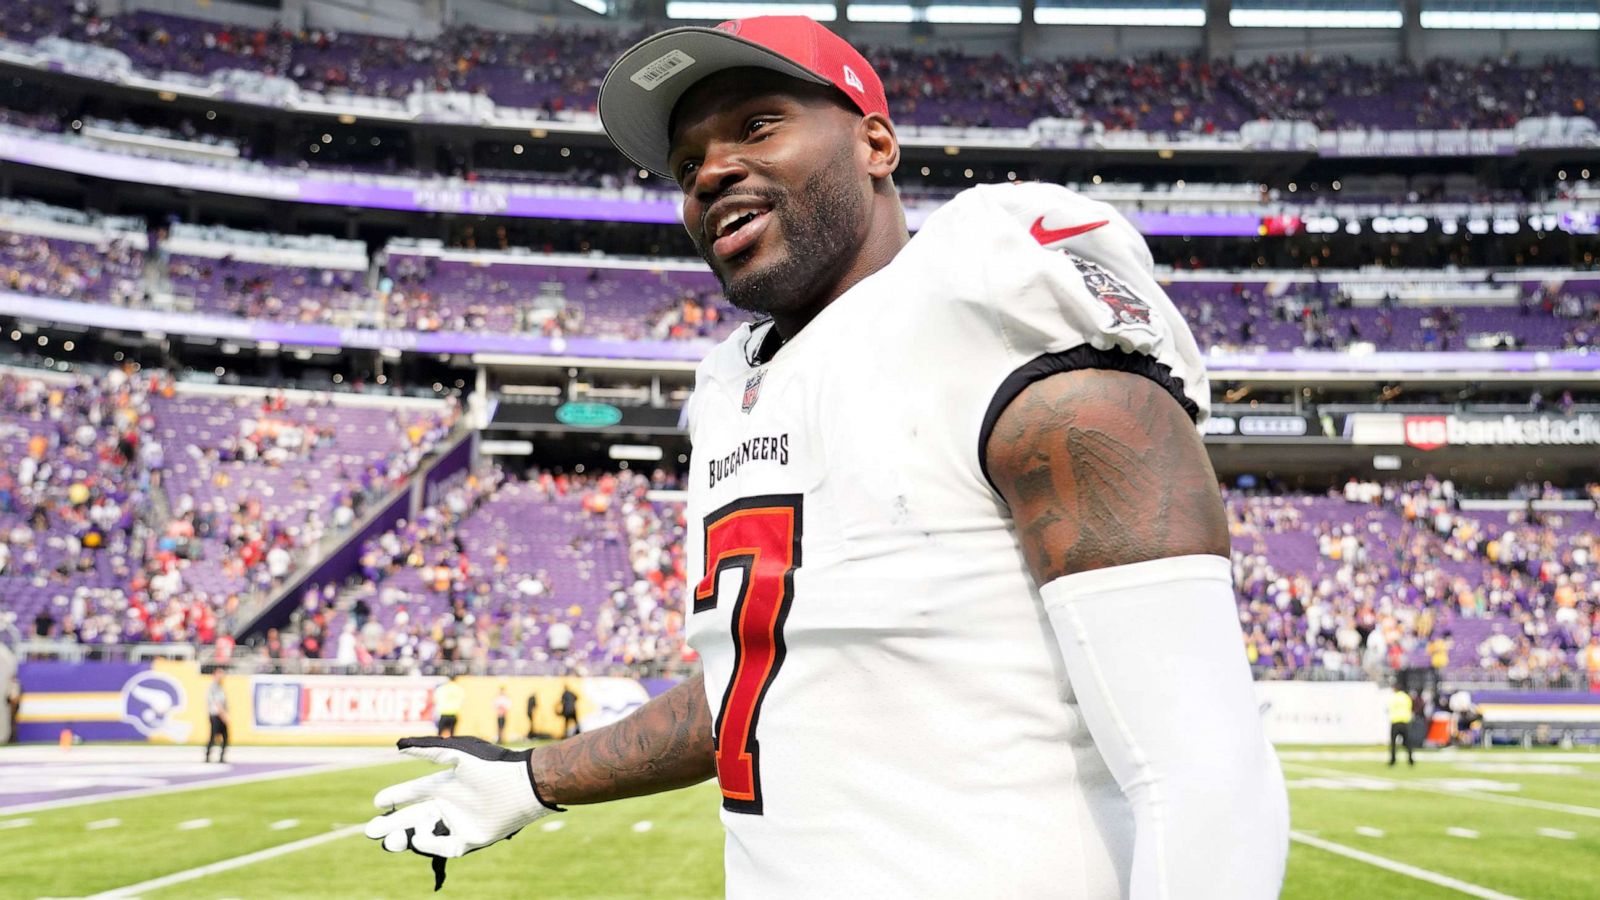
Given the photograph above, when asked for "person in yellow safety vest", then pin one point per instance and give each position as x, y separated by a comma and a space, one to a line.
1591, 662
1400, 724
447, 700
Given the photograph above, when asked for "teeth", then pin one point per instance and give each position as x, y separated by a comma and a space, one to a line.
732, 217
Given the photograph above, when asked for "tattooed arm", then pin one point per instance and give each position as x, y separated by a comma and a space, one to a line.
1119, 517
664, 745
491, 793
1102, 469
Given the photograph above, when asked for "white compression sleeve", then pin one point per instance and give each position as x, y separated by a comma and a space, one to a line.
1154, 655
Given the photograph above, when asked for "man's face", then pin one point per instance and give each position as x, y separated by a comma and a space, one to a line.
775, 185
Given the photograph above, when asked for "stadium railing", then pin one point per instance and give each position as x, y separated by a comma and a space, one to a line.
74, 652
256, 662
105, 64
642, 202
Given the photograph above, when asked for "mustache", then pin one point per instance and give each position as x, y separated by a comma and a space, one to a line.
772, 196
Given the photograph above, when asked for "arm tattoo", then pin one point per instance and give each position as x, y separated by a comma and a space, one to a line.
1103, 469
664, 745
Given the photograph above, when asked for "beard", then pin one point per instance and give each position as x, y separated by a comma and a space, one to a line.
819, 234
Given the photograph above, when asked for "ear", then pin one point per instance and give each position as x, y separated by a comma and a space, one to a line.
883, 147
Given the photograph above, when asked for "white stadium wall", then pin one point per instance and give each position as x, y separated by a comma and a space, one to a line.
970, 39
207, 10
1367, 44
1529, 46
394, 18
521, 15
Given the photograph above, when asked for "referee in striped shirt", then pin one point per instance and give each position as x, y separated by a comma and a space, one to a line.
217, 706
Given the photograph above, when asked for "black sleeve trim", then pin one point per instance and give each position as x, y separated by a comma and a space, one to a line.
1082, 356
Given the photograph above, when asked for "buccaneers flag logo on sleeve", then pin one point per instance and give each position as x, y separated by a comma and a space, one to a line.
1126, 306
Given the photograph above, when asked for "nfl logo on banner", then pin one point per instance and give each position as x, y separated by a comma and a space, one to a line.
752, 391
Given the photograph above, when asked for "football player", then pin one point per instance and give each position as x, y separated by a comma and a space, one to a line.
962, 581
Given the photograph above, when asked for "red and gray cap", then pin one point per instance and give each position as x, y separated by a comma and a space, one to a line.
639, 93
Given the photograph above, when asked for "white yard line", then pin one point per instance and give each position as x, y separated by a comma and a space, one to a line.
102, 824
1467, 833
1444, 881
191, 786
284, 824
1528, 802
1442, 756
194, 824
1559, 834
9, 824
155, 884
1367, 831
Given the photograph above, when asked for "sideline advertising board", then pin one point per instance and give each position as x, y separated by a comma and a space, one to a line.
164, 702
1323, 712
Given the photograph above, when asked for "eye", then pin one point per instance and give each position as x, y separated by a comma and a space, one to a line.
686, 170
755, 126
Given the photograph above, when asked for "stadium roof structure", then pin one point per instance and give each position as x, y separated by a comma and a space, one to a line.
1520, 15
1496, 15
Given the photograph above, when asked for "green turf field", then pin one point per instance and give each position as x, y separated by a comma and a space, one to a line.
1491, 823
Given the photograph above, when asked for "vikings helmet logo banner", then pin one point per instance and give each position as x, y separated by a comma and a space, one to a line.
151, 703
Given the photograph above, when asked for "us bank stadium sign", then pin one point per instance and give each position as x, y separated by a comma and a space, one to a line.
1436, 431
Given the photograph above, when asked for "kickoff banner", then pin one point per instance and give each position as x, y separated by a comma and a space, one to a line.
165, 702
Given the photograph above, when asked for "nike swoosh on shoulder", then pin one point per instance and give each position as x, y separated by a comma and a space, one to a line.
1050, 235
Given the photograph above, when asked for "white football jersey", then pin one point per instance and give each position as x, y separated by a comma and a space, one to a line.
892, 715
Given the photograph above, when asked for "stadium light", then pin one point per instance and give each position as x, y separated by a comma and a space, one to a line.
1120, 16
505, 448
635, 452
975, 15
939, 14
716, 10
878, 12
1483, 20
1315, 18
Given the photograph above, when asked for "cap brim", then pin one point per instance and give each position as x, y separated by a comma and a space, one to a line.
645, 84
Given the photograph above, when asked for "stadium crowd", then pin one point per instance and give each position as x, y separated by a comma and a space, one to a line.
559, 70
104, 538
423, 293
1398, 575
463, 583
130, 512
107, 272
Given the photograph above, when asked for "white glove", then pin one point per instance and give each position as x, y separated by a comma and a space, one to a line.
486, 796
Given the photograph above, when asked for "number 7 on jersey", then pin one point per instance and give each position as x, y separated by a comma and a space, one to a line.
760, 538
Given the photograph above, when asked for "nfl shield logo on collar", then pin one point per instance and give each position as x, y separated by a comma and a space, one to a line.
752, 390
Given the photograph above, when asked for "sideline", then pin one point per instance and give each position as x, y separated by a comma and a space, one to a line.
1504, 799
134, 890
133, 793
1444, 881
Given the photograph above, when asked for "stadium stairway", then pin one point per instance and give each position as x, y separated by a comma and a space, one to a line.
339, 554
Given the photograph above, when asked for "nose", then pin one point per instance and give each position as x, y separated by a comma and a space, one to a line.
722, 168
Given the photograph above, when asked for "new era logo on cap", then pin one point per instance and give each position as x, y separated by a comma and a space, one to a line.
852, 79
